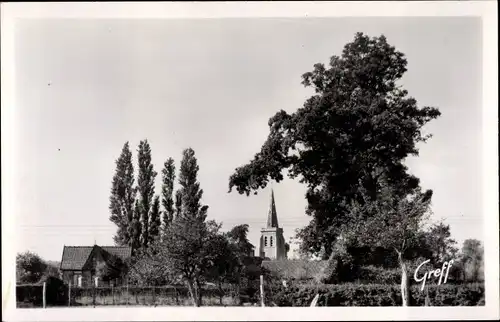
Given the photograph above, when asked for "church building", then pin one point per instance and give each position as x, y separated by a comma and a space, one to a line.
272, 243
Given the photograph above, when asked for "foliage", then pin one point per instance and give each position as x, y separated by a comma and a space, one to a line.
167, 191
30, 268
340, 266
121, 201
155, 220
357, 126
392, 220
52, 270
377, 275
439, 244
145, 185
136, 227
145, 269
56, 291
469, 266
238, 236
190, 193
191, 249
113, 267
29, 293
378, 295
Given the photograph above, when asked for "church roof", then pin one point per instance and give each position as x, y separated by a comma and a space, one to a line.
272, 217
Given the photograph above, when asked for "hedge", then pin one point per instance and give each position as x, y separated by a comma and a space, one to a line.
31, 295
378, 295
28, 295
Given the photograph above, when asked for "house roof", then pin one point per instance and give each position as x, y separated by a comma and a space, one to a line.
75, 257
297, 269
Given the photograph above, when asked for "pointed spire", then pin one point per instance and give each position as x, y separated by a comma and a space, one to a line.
272, 216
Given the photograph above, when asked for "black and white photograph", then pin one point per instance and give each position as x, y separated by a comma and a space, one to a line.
246, 156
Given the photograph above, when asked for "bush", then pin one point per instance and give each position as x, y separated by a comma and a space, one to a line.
56, 292
378, 275
378, 295
29, 295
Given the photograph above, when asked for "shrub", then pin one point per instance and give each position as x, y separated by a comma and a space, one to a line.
378, 295
378, 275
56, 292
29, 295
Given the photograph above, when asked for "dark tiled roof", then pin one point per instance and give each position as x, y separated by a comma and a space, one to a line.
75, 257
297, 269
121, 252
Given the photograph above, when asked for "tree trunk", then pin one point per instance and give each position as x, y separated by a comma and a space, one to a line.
199, 294
405, 285
220, 292
192, 292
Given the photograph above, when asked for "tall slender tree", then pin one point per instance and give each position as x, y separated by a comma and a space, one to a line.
121, 201
167, 191
136, 227
145, 185
178, 203
155, 221
190, 192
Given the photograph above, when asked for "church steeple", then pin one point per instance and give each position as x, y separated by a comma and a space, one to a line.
272, 241
272, 216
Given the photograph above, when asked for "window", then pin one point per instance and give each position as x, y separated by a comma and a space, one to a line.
271, 241
265, 241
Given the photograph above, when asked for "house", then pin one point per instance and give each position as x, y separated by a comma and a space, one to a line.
84, 266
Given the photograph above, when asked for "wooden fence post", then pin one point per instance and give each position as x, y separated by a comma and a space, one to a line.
113, 293
69, 294
262, 291
44, 298
154, 297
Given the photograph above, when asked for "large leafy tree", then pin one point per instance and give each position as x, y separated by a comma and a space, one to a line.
358, 126
29, 267
145, 185
167, 191
121, 201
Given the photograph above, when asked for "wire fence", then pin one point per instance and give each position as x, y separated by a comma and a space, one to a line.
52, 294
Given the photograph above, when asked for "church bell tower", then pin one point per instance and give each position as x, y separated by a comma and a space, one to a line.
272, 242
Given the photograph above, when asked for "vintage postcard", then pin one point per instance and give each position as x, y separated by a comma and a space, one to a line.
248, 161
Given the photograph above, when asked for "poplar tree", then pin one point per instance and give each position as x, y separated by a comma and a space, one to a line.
155, 221
145, 183
190, 192
136, 227
168, 179
121, 201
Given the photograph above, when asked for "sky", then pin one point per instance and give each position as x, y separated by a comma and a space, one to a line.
85, 87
